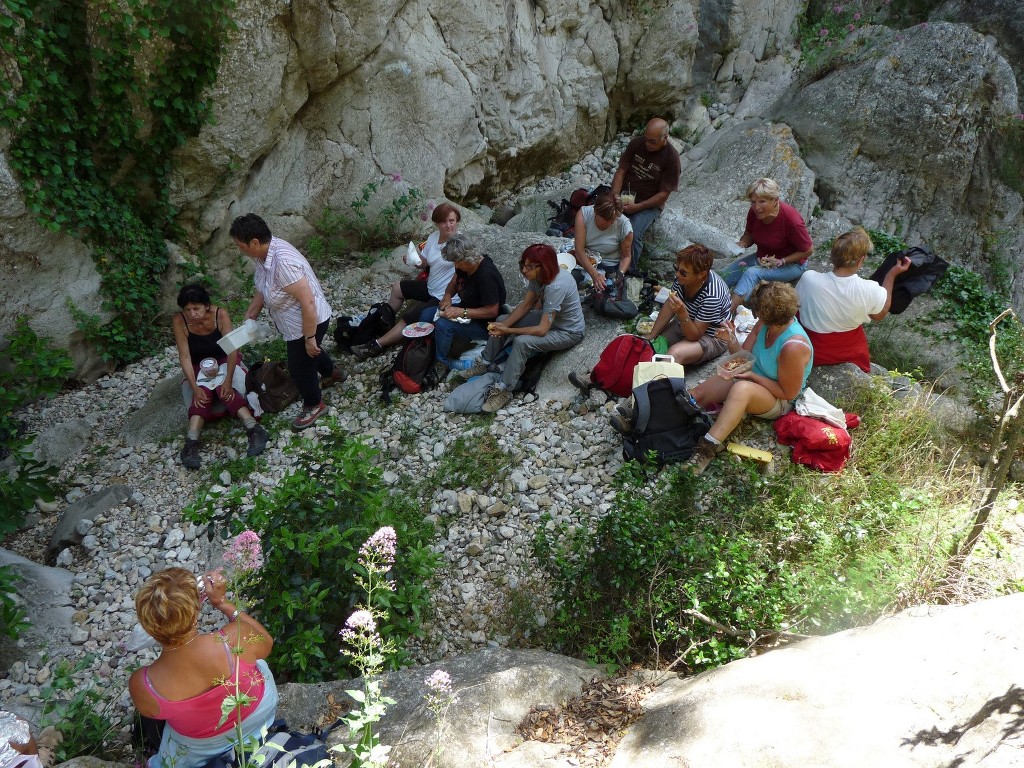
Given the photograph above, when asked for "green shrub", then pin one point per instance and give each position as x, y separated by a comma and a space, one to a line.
36, 369
84, 715
12, 616
699, 570
312, 525
386, 212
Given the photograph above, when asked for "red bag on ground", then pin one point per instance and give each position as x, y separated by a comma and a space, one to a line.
614, 369
815, 443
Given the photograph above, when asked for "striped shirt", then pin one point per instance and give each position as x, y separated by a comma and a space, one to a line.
711, 304
283, 266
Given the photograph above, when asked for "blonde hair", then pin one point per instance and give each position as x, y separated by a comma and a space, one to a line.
168, 605
766, 188
850, 247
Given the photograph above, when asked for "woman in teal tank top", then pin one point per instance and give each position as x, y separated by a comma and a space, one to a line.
783, 357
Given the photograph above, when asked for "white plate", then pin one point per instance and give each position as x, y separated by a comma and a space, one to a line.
415, 330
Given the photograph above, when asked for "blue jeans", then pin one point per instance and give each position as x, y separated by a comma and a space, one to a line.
445, 332
641, 220
744, 274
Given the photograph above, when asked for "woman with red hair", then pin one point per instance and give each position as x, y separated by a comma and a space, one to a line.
548, 318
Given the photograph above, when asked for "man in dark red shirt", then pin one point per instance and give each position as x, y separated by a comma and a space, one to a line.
649, 171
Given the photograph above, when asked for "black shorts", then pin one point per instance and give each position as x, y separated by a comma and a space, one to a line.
416, 291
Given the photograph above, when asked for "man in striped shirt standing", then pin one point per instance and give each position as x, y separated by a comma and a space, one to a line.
695, 309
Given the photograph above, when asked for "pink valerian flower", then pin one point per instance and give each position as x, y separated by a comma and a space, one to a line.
395, 177
439, 695
838, 9
360, 628
856, 17
1020, 116
439, 682
852, 27
378, 553
823, 32
245, 553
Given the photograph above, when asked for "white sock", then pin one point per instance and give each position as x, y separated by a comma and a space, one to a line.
712, 440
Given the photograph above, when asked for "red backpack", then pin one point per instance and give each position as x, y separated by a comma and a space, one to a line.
614, 369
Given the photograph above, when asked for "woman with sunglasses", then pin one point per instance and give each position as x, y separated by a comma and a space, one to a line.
695, 309
548, 318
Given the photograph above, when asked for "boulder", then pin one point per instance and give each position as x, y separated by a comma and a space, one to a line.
45, 594
495, 689
67, 532
162, 414
710, 206
926, 688
59, 442
925, 165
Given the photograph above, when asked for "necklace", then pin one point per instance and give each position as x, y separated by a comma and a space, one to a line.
181, 645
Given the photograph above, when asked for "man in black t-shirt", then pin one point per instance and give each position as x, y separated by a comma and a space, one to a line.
648, 170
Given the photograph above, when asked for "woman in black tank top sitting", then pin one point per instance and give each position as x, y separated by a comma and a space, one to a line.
197, 329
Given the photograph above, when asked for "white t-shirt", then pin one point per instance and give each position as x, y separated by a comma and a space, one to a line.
441, 271
606, 242
833, 304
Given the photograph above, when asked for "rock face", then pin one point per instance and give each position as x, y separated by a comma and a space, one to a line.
466, 100
899, 135
926, 688
495, 689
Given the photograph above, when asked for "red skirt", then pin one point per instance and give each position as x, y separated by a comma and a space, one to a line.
841, 347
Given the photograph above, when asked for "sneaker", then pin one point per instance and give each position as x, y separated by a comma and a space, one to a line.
581, 381
368, 350
622, 420
308, 416
704, 455
190, 454
338, 376
496, 400
479, 369
258, 439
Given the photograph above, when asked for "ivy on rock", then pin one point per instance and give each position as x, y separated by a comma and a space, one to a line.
99, 95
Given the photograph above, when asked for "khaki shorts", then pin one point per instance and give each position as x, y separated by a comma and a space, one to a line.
710, 346
781, 408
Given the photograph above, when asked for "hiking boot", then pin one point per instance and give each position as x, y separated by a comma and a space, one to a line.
704, 455
338, 376
622, 419
190, 454
305, 419
581, 381
258, 439
479, 369
496, 400
368, 350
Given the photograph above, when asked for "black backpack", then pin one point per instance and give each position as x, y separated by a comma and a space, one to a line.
925, 268
563, 222
413, 370
379, 320
667, 421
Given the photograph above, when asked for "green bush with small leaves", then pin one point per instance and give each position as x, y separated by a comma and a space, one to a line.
313, 523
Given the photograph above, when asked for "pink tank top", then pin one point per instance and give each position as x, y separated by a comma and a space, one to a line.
197, 717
